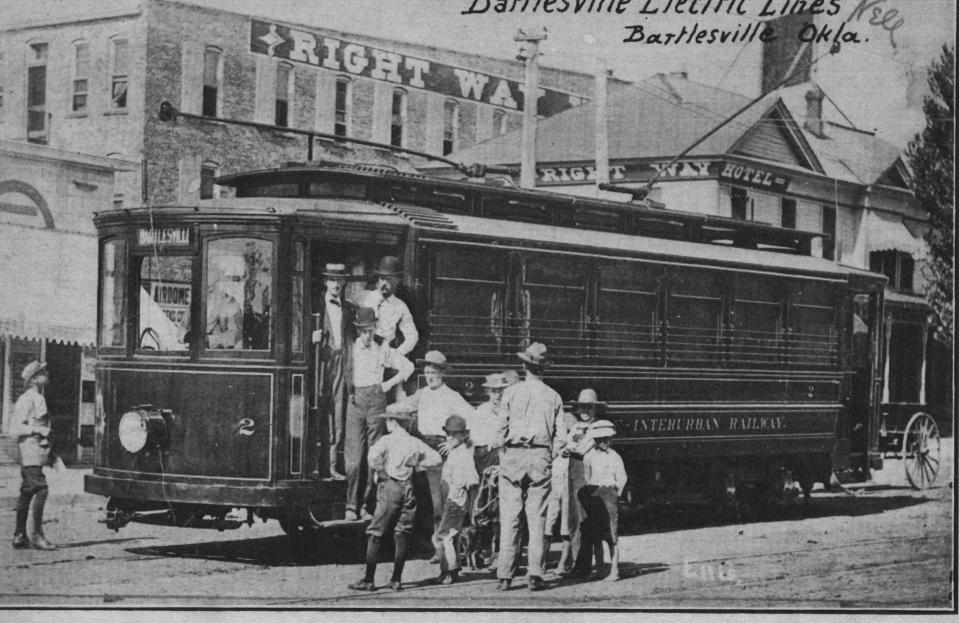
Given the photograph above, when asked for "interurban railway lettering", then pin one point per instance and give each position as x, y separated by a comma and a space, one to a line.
701, 424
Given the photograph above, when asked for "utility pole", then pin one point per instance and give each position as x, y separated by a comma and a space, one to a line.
602, 129
529, 53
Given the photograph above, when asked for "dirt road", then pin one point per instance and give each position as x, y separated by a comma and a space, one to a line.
882, 546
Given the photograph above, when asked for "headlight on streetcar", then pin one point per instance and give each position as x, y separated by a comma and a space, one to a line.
142, 426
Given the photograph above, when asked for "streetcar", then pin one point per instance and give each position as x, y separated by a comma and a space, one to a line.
733, 360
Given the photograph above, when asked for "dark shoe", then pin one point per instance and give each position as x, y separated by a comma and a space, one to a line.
443, 578
363, 585
452, 577
578, 573
536, 583
20, 541
396, 586
41, 542
503, 585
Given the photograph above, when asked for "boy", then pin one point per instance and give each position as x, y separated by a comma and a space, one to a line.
393, 458
31, 427
459, 475
605, 480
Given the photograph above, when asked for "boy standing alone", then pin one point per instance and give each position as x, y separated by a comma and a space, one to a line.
459, 475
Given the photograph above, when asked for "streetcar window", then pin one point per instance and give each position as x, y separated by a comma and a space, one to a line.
813, 339
554, 302
113, 294
239, 284
297, 311
626, 323
693, 313
164, 303
755, 317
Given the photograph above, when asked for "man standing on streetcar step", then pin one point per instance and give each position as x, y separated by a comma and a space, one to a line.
367, 401
31, 427
391, 312
337, 340
532, 410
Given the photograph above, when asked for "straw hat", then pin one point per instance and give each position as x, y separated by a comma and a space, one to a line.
536, 354
435, 358
335, 271
602, 429
495, 381
399, 411
32, 369
588, 398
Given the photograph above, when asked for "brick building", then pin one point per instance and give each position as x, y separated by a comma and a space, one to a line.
94, 85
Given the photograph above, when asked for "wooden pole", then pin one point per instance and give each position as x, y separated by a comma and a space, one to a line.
602, 127
530, 54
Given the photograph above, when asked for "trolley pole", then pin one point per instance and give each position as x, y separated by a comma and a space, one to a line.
529, 52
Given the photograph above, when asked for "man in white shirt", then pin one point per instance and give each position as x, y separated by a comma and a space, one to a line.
336, 323
31, 427
391, 312
489, 426
367, 401
434, 404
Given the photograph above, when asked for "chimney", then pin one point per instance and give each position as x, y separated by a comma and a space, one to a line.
682, 75
814, 123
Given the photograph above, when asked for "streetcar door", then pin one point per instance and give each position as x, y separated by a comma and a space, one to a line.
866, 382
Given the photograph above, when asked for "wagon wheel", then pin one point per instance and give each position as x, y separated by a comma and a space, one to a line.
920, 450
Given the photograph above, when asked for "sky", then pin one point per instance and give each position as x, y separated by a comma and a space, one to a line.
877, 84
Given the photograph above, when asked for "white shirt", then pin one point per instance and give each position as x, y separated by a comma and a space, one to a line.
399, 454
334, 315
433, 406
605, 469
29, 418
370, 361
459, 474
532, 410
390, 314
488, 425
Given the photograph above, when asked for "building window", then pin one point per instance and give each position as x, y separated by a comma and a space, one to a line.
37, 94
342, 105
81, 76
211, 81
451, 122
120, 74
829, 228
208, 172
898, 266
740, 203
284, 90
398, 118
500, 121
789, 213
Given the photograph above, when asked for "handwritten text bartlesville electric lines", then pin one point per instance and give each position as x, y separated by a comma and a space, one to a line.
770, 8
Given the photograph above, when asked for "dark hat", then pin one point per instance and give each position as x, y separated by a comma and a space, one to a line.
455, 424
435, 358
495, 381
399, 411
365, 317
32, 369
588, 398
536, 354
336, 271
389, 266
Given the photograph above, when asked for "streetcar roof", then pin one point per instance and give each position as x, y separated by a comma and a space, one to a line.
446, 227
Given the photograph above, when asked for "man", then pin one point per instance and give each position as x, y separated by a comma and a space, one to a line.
434, 404
486, 429
337, 337
31, 427
391, 312
367, 401
532, 409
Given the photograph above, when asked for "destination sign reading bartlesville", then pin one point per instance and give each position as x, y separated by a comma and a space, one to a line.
353, 58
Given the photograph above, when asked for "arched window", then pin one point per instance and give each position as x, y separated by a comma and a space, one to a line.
343, 106
398, 119
451, 122
81, 76
119, 73
284, 94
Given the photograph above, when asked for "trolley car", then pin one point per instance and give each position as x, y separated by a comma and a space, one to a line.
731, 358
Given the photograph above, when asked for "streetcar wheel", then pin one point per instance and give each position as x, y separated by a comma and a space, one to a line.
921, 451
